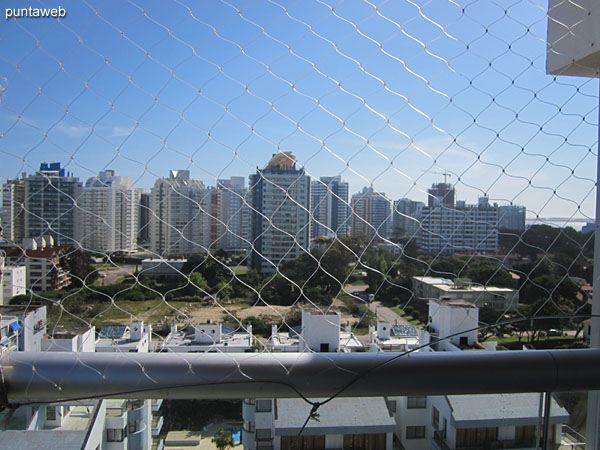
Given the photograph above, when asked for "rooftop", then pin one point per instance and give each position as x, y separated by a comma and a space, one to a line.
359, 415
507, 409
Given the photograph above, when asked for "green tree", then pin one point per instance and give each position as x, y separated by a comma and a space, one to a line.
77, 264
194, 284
223, 439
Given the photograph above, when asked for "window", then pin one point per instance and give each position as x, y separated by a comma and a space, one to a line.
263, 434
116, 434
415, 432
416, 402
51, 413
435, 419
250, 427
263, 405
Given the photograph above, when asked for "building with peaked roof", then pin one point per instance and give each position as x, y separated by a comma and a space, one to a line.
42, 261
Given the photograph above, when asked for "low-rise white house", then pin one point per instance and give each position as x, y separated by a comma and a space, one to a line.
121, 338
318, 332
497, 298
393, 338
208, 337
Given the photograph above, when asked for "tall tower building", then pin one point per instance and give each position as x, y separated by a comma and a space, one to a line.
234, 214
180, 215
329, 207
371, 214
50, 200
406, 216
109, 213
13, 210
280, 199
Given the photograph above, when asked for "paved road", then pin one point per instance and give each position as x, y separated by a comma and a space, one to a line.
115, 273
385, 314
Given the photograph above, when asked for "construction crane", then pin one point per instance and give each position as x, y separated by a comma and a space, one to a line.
444, 174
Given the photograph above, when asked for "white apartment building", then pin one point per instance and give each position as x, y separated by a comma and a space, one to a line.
232, 229
371, 215
109, 213
497, 298
329, 207
13, 280
179, 215
447, 228
280, 199
348, 423
467, 421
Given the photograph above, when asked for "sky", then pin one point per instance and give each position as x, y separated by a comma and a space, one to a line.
385, 93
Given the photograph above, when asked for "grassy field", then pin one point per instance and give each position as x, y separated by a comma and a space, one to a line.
408, 317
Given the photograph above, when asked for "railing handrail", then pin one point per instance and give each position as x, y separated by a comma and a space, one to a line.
64, 376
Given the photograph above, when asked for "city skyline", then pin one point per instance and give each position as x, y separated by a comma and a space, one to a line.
215, 91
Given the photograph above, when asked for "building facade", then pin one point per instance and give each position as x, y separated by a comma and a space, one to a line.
110, 213
233, 226
280, 200
45, 203
13, 210
406, 217
449, 228
512, 217
180, 215
329, 207
371, 215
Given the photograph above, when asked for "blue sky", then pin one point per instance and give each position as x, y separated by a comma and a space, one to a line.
384, 93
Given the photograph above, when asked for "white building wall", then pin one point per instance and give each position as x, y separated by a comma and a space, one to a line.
319, 329
110, 213
14, 282
180, 215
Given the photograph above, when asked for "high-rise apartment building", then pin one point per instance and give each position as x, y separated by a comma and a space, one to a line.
109, 213
180, 215
233, 227
511, 217
280, 199
42, 204
13, 210
405, 217
371, 214
329, 207
447, 228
